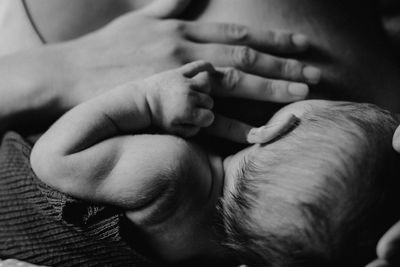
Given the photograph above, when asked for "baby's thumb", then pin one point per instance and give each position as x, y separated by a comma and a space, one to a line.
165, 8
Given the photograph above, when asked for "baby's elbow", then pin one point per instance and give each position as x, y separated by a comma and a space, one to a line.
48, 166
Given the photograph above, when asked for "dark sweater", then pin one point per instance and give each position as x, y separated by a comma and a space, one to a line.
45, 227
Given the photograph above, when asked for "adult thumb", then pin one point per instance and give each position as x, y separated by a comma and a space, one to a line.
396, 140
165, 8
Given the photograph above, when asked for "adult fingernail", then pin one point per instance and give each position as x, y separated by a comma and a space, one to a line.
312, 74
298, 89
378, 263
300, 41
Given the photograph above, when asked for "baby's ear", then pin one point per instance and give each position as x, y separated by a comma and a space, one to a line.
275, 128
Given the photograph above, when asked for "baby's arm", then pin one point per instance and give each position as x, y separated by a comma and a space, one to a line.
88, 154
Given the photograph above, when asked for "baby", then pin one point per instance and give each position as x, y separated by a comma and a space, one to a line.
309, 193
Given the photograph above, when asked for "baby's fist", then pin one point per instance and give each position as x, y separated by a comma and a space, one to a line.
179, 100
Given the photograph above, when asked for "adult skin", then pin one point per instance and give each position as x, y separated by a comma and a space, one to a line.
40, 84
389, 245
347, 39
348, 42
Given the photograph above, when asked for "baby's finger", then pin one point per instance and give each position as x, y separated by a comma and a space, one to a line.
200, 117
230, 82
229, 129
192, 69
185, 130
203, 101
201, 82
272, 130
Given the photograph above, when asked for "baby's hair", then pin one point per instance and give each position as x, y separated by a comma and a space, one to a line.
321, 195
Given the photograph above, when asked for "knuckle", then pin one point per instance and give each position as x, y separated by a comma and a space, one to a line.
291, 68
231, 79
193, 96
199, 63
209, 118
174, 26
235, 32
269, 88
274, 87
283, 40
193, 115
245, 57
174, 49
279, 39
271, 37
210, 102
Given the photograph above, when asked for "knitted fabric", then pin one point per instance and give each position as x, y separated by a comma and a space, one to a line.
42, 226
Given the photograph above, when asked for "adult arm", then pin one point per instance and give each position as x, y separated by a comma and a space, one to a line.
31, 86
41, 84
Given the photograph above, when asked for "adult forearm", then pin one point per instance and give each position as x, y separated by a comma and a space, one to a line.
31, 86
121, 111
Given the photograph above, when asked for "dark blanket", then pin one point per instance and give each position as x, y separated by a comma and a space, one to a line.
45, 227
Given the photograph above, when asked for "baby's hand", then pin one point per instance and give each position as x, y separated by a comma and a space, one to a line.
179, 100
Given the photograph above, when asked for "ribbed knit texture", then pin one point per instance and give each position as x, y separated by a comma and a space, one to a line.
45, 227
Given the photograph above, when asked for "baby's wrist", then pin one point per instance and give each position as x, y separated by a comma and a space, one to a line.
131, 108
152, 106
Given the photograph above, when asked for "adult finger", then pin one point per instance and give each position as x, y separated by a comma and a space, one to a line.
164, 8
254, 62
389, 246
235, 34
229, 82
396, 140
192, 69
378, 263
229, 129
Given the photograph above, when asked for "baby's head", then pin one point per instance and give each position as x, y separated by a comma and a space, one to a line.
319, 195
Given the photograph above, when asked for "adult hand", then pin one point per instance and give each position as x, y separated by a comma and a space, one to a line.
180, 101
148, 41
388, 248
